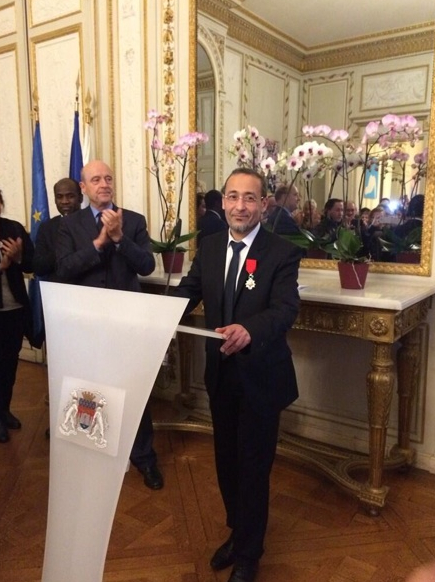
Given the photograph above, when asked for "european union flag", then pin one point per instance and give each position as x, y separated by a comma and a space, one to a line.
40, 213
76, 157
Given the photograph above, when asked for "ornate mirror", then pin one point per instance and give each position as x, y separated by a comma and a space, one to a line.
386, 64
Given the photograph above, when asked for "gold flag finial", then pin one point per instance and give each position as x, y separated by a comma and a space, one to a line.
88, 110
35, 107
77, 92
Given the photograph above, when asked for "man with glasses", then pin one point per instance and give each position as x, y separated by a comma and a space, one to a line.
247, 280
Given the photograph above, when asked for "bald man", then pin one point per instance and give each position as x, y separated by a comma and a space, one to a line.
106, 246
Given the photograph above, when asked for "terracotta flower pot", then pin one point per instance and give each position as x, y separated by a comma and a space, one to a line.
353, 275
177, 264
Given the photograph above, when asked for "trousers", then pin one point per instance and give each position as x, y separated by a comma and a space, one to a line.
11, 339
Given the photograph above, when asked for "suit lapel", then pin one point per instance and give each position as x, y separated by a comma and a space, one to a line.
88, 221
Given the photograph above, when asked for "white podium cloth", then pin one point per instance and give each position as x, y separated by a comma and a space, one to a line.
104, 349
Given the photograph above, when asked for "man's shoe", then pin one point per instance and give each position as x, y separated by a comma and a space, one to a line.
10, 420
223, 556
244, 572
152, 477
4, 434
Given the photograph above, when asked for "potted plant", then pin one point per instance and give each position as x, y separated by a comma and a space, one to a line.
353, 264
171, 249
166, 156
405, 248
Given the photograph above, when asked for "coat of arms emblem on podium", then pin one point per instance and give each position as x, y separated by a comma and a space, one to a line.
84, 413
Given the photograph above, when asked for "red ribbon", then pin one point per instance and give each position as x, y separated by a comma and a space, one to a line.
251, 266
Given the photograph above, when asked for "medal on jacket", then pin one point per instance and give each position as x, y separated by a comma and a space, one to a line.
251, 266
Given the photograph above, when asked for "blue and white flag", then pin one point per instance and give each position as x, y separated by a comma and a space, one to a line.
40, 213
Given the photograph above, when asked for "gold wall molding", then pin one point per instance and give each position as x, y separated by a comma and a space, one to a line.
168, 67
370, 49
403, 41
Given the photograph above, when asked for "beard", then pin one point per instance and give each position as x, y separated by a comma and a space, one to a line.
242, 228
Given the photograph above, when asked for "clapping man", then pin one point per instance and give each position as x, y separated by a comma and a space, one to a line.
106, 246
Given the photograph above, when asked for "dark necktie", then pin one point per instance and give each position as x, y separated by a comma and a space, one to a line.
99, 221
230, 283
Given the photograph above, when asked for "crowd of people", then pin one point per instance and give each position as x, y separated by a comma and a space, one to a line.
285, 215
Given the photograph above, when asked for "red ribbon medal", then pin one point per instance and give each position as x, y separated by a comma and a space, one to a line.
251, 267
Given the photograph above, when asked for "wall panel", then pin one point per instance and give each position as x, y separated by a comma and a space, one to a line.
56, 87
43, 11
11, 162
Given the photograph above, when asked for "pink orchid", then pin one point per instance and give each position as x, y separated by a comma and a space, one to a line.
339, 135
322, 130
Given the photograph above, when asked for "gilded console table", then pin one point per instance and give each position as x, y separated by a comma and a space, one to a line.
387, 311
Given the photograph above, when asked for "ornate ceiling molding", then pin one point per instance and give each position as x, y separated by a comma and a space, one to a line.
407, 41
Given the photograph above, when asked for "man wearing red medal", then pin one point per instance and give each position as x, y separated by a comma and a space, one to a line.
247, 280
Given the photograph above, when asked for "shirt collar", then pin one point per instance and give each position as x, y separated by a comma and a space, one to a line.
96, 212
248, 239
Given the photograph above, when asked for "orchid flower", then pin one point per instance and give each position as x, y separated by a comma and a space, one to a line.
164, 157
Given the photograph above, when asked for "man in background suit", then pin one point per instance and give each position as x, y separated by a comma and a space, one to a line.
106, 246
211, 221
68, 198
249, 374
281, 219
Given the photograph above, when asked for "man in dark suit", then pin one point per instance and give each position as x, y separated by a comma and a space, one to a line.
281, 220
16, 254
211, 221
249, 374
106, 246
68, 198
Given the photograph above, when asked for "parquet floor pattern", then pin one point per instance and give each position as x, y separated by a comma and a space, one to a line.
316, 533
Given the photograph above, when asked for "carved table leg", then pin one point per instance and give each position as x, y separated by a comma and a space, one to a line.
380, 381
408, 369
185, 350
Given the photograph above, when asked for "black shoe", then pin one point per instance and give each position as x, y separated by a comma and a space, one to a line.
152, 477
10, 420
223, 556
47, 433
244, 572
4, 434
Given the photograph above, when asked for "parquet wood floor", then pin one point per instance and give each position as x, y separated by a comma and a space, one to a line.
316, 532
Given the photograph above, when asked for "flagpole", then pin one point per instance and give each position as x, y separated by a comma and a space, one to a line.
76, 156
76, 108
39, 213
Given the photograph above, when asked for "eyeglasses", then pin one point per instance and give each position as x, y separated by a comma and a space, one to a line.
246, 198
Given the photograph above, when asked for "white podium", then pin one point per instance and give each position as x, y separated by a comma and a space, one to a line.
104, 349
